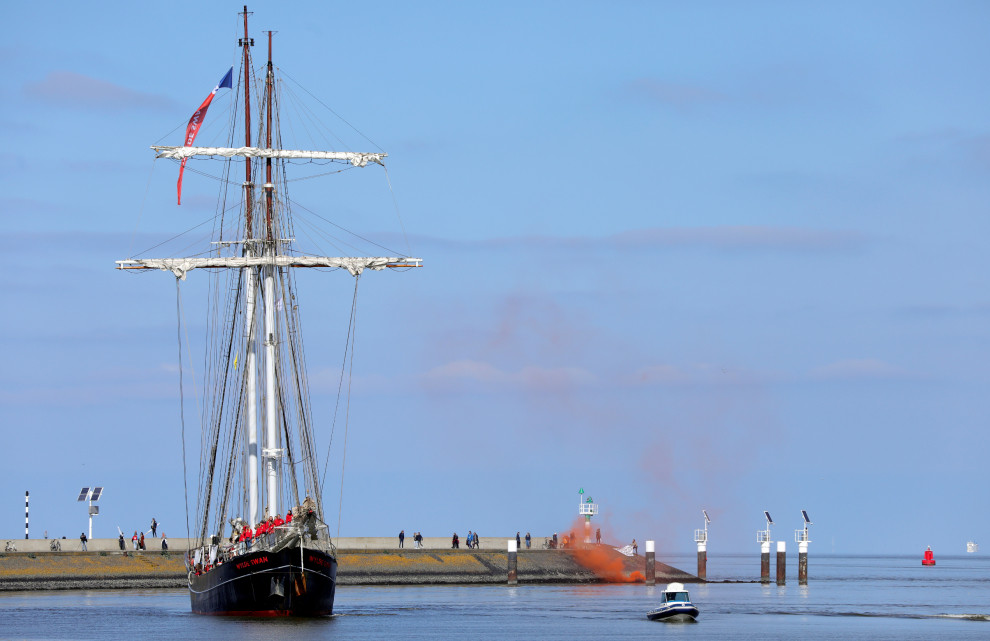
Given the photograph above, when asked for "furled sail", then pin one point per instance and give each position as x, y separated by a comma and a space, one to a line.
358, 159
181, 266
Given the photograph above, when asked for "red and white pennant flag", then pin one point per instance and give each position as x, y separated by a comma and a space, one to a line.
197, 120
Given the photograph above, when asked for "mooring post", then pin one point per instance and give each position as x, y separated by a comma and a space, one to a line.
764, 539
765, 562
803, 563
701, 538
803, 539
651, 564
513, 580
781, 562
702, 561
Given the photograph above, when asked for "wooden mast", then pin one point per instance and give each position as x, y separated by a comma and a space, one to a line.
250, 294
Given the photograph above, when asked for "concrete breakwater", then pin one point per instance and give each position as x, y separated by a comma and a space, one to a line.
154, 569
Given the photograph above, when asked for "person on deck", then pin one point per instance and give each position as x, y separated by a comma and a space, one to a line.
288, 516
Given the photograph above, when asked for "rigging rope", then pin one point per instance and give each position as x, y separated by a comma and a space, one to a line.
182, 412
347, 406
395, 204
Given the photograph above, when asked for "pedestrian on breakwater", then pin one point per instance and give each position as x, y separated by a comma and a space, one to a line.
598, 536
402, 537
141, 542
635, 547
477, 541
518, 542
529, 540
134, 540
455, 543
120, 541
164, 542
83, 539
154, 527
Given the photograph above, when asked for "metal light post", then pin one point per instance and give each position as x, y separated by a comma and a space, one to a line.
91, 495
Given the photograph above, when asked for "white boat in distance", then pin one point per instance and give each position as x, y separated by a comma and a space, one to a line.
675, 605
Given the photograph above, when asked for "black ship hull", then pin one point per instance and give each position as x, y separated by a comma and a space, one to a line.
267, 584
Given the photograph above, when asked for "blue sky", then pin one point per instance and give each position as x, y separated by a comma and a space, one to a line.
711, 255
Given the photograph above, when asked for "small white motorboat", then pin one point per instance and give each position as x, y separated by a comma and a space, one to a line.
675, 605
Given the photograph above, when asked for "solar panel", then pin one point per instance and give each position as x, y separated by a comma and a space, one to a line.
707, 520
767, 514
83, 493
97, 491
807, 519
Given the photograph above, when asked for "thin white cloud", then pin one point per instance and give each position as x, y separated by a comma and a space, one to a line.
695, 374
531, 377
858, 369
680, 95
73, 90
723, 238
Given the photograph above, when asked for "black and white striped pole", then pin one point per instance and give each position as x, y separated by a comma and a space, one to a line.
27, 495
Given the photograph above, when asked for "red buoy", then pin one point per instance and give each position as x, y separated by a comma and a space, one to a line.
929, 558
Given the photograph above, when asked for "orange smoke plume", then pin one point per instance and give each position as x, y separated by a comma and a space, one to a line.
607, 563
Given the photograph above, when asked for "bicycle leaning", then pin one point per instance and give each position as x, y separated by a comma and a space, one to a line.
10, 547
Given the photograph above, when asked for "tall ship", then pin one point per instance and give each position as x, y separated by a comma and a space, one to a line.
262, 545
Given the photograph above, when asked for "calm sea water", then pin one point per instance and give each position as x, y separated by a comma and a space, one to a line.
888, 597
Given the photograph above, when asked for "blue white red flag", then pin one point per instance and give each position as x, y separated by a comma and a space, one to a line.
197, 120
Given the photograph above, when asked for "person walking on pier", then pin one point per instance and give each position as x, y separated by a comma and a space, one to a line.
402, 537
83, 539
529, 540
518, 542
455, 542
134, 540
120, 541
164, 542
598, 536
154, 527
141, 542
